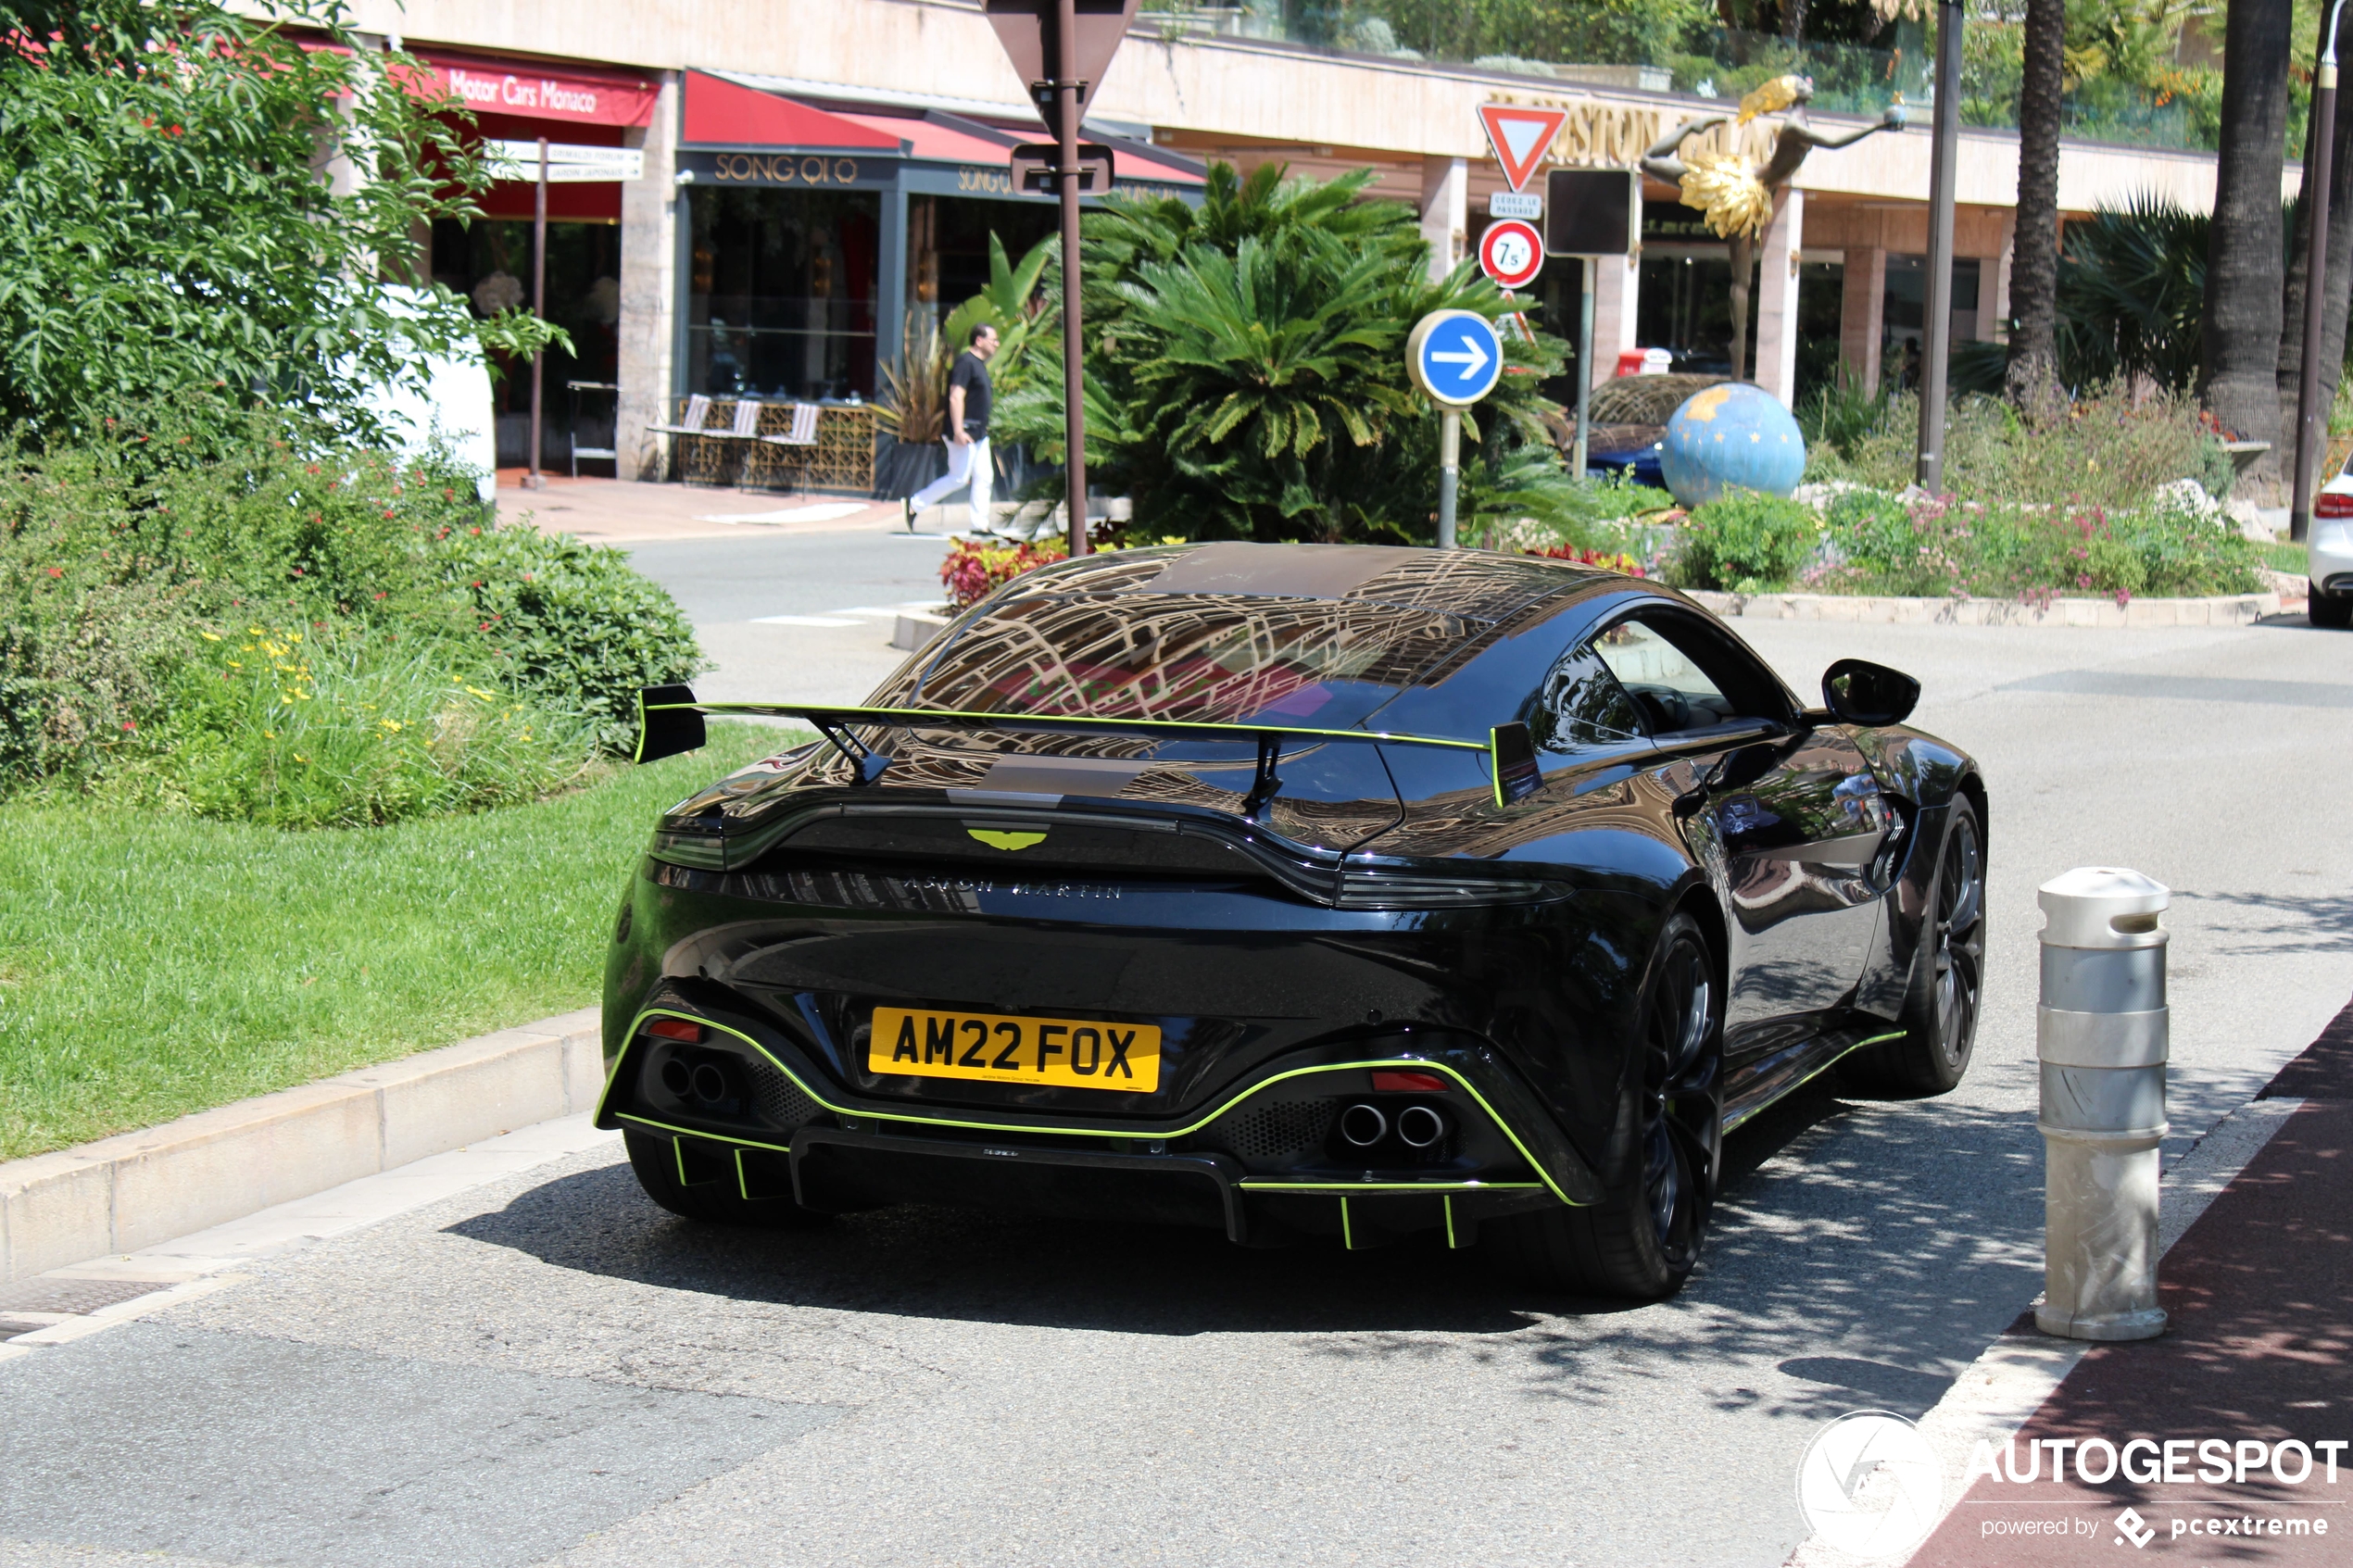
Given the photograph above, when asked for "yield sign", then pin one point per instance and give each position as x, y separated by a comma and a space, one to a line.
1521, 136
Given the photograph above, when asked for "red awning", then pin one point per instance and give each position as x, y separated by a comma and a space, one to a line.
943, 144
567, 93
720, 114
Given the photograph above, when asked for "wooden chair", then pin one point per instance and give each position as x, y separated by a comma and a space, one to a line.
797, 443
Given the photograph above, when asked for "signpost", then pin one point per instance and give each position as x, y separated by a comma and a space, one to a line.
1456, 357
1062, 48
1590, 214
548, 163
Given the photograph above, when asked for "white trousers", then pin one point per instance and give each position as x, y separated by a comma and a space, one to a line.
968, 464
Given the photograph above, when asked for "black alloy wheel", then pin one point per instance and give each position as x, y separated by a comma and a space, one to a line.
1641, 1240
1948, 983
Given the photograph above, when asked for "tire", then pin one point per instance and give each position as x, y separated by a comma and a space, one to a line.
2334, 612
1641, 1240
719, 1202
1943, 999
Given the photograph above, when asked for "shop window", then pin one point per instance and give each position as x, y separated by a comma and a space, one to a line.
488, 262
1821, 294
782, 301
947, 247
1904, 308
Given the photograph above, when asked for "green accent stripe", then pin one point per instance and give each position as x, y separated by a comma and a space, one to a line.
1249, 1184
1745, 1117
1079, 721
1417, 1062
1347, 1236
1450, 1242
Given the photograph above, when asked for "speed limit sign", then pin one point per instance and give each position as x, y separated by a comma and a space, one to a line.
1511, 252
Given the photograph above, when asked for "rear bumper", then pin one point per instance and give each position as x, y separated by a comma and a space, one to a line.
2329, 556
793, 1132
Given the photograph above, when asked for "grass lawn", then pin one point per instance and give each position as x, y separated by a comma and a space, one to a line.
2282, 556
152, 966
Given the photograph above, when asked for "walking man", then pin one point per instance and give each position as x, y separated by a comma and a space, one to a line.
969, 393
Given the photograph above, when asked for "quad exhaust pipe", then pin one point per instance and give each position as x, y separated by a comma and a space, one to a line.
1418, 1126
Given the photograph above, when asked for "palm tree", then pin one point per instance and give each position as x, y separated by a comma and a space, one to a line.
2032, 376
2240, 379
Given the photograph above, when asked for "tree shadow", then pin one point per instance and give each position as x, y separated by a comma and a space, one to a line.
1888, 1241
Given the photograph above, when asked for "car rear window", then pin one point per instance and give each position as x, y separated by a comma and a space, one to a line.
1200, 659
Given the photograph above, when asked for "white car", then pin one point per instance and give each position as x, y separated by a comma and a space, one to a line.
2329, 553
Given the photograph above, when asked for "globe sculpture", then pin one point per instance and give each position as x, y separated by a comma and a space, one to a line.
1732, 436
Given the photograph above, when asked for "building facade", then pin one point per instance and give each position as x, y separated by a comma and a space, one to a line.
822, 179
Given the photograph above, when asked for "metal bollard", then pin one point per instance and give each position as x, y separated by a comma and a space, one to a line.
2101, 1034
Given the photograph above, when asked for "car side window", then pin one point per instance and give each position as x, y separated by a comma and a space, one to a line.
1684, 676
1582, 708
1668, 686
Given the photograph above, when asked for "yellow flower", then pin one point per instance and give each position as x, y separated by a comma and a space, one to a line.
300, 757
234, 665
269, 735
254, 631
391, 724
209, 636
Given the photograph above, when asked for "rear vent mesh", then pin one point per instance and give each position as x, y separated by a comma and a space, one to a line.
779, 1102
1274, 1132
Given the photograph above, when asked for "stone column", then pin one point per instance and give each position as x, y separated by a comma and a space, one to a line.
1993, 292
1445, 212
1617, 289
1860, 312
1776, 270
649, 284
890, 287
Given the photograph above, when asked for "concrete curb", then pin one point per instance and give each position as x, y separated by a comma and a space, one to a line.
137, 1189
915, 628
2233, 609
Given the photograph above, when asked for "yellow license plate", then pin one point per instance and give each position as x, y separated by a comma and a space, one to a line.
1069, 1053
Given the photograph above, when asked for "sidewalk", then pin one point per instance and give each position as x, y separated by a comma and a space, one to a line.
2259, 1352
625, 511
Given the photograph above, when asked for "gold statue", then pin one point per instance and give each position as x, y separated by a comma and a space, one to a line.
1737, 198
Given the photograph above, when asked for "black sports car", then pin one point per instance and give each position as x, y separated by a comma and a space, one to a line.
1303, 891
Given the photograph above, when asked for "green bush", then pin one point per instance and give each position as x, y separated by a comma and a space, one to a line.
336, 725
2106, 451
1746, 543
118, 559
571, 624
1927, 547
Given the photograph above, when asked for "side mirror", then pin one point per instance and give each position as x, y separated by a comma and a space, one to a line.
1517, 775
667, 722
1859, 692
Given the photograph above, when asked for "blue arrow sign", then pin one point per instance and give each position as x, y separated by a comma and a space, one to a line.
1455, 357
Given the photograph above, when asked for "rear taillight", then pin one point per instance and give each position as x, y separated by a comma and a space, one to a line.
1391, 1081
675, 1029
2333, 503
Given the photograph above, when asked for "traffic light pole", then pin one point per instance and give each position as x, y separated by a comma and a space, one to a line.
1066, 111
2310, 436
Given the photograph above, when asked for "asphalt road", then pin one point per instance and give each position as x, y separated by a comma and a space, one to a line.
839, 594
547, 1368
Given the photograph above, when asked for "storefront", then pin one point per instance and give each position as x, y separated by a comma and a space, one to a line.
489, 261
815, 234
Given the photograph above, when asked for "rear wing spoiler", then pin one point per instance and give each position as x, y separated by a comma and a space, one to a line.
669, 720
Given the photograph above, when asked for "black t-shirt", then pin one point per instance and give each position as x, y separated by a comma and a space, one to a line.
973, 376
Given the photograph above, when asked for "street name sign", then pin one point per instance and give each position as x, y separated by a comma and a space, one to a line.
569, 163
1521, 136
